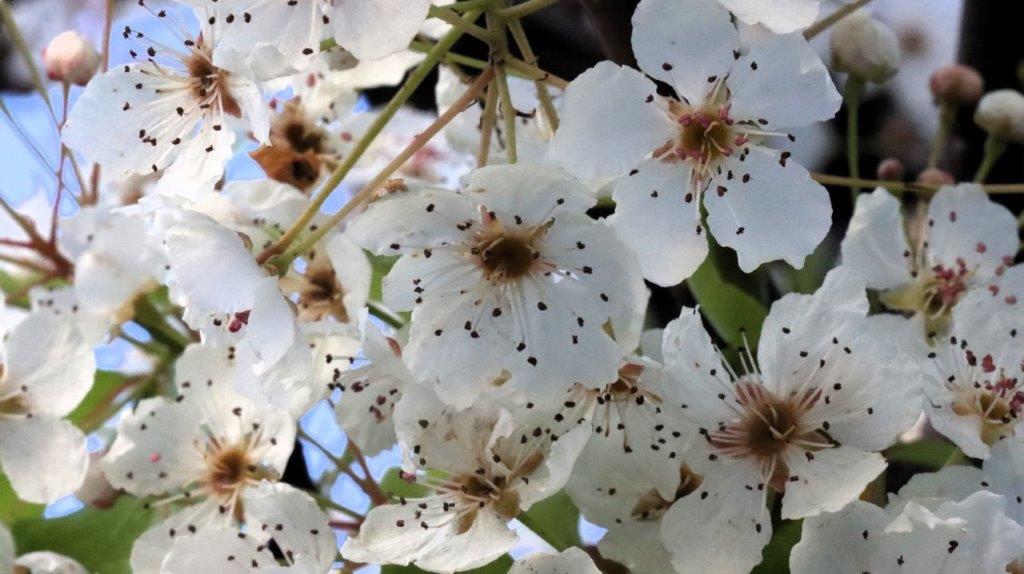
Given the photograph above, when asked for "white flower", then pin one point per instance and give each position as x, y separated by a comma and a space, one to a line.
33, 562
779, 17
371, 391
927, 264
569, 561
865, 48
170, 111
485, 467
335, 283
275, 513
45, 372
830, 394
273, 39
507, 275
208, 447
706, 145
972, 535
1001, 114
975, 383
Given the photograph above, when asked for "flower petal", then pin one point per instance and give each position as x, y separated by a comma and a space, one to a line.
875, 246
44, 457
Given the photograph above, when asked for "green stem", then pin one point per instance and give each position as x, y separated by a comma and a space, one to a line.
947, 115
283, 261
524, 9
417, 77
854, 91
499, 52
910, 187
546, 103
453, 19
994, 148
381, 312
956, 457
326, 502
147, 315
827, 22
467, 5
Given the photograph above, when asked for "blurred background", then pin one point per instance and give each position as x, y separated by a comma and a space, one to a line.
898, 120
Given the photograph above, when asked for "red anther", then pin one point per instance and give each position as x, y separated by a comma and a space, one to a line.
240, 320
685, 119
987, 364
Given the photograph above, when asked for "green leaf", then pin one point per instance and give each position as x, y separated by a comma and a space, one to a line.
101, 540
729, 308
12, 508
931, 454
776, 554
499, 566
104, 388
556, 520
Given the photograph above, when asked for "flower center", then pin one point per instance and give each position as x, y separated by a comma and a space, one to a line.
228, 468
934, 293
209, 83
506, 255
706, 135
997, 404
768, 428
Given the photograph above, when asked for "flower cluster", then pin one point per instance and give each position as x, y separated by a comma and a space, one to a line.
480, 303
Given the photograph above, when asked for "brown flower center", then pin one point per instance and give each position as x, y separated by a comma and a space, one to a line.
506, 254
209, 83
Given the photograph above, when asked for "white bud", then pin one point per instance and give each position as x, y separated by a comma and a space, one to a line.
70, 58
865, 48
1001, 114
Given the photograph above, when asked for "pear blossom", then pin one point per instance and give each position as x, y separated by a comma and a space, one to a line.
830, 392
975, 375
969, 535
33, 562
299, 148
371, 391
507, 275
207, 448
570, 561
484, 466
273, 39
705, 146
45, 371
927, 263
277, 513
171, 111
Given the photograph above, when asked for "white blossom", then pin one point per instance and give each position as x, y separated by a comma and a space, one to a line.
707, 145
507, 275
46, 370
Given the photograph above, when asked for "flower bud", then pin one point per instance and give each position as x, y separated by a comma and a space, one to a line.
1001, 114
891, 169
864, 48
956, 84
71, 59
935, 176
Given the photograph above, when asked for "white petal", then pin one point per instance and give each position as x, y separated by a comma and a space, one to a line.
46, 361
277, 38
44, 457
152, 546
687, 43
570, 561
1004, 472
779, 213
216, 550
779, 16
49, 563
970, 226
439, 548
7, 550
534, 193
875, 246
653, 217
847, 542
353, 271
829, 481
720, 528
955, 482
373, 29
272, 327
612, 118
637, 545
403, 222
212, 267
295, 521
782, 80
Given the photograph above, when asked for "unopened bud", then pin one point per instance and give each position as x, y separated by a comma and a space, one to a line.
864, 48
935, 176
891, 169
71, 59
956, 84
1001, 114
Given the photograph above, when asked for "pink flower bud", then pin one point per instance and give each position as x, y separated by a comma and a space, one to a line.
891, 169
935, 176
957, 84
69, 58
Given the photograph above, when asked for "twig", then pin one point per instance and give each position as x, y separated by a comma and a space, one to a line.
830, 20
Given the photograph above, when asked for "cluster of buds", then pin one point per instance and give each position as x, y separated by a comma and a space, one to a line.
71, 59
